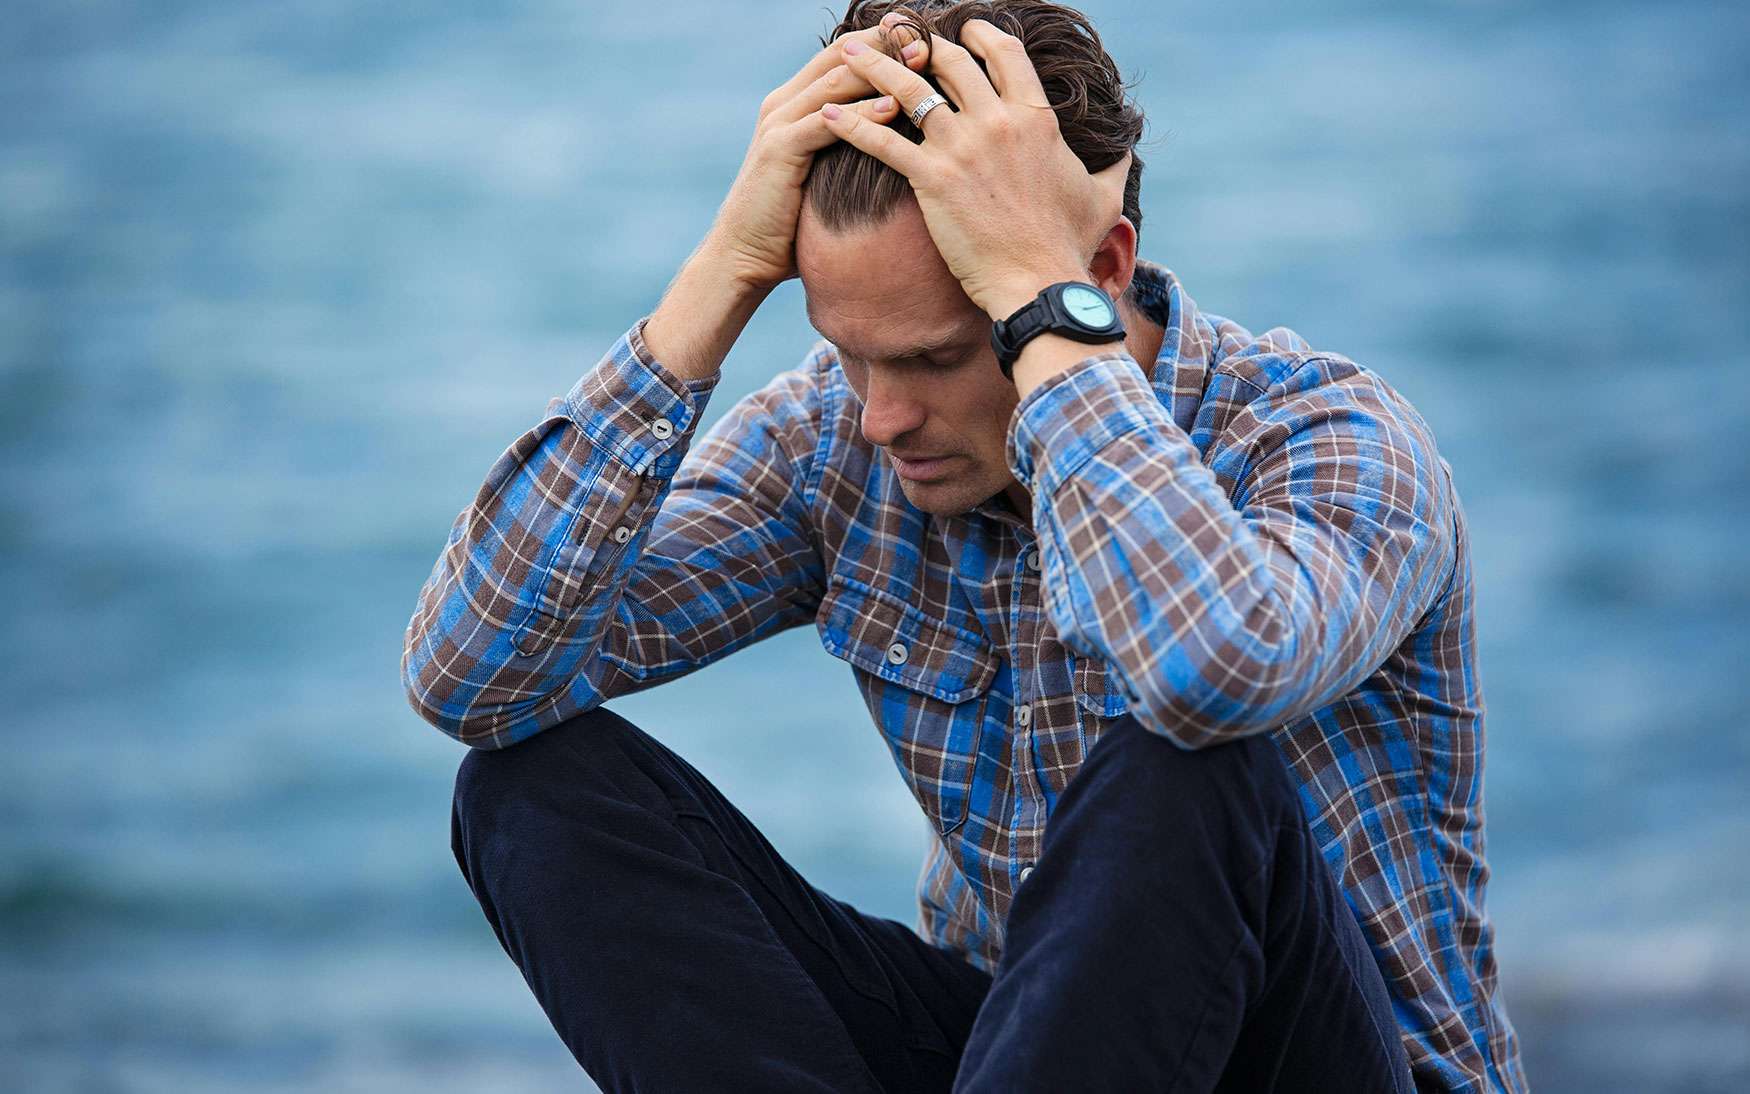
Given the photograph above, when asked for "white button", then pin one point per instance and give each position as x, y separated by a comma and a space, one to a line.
1024, 715
1026, 872
662, 429
897, 653
1032, 559
622, 534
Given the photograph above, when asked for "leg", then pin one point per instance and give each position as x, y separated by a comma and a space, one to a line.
671, 946
1181, 932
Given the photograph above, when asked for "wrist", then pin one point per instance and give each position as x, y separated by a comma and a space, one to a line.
1050, 355
1016, 292
700, 316
719, 265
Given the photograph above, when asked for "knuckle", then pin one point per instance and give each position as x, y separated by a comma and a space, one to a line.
948, 47
1042, 119
997, 35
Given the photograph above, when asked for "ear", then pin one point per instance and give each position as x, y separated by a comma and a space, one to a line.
1114, 261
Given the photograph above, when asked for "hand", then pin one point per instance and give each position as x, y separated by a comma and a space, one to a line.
1007, 203
755, 230
751, 246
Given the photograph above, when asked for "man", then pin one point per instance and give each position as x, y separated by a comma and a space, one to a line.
1177, 660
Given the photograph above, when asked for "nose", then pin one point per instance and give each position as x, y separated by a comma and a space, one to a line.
890, 409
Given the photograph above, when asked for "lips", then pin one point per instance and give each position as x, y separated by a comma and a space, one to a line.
919, 468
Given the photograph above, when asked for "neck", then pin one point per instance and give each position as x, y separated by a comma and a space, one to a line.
1143, 337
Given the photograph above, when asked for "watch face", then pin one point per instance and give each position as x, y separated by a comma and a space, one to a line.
1088, 306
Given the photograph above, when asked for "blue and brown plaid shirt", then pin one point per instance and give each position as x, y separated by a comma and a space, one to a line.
1254, 537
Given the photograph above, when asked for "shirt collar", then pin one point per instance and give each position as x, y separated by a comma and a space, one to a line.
1188, 345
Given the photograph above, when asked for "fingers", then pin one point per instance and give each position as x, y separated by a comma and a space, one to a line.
1005, 58
838, 85
815, 131
818, 65
894, 78
830, 56
872, 135
958, 73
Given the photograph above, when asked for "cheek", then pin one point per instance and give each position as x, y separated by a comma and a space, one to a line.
994, 406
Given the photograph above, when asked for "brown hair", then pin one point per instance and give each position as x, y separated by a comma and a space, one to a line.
849, 188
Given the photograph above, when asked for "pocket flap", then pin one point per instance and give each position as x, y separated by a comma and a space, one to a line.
1097, 688
888, 638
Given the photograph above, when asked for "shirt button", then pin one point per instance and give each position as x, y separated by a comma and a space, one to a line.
622, 534
1024, 715
1032, 559
1026, 872
662, 429
897, 653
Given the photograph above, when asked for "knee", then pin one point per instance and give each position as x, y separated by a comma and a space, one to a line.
1249, 774
556, 763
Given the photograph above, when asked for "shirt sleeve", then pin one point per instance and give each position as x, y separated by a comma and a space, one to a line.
1235, 592
595, 561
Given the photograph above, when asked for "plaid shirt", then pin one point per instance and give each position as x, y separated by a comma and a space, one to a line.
1264, 540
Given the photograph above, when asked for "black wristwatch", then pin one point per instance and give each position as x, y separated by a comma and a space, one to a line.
1073, 309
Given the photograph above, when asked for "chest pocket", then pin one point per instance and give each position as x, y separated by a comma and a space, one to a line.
925, 683
1097, 688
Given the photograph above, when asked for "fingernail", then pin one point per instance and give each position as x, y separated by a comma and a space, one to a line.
892, 18
884, 103
831, 112
911, 52
854, 47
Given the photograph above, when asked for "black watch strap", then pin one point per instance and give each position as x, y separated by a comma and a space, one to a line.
1087, 315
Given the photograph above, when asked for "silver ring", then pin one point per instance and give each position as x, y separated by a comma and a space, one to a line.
929, 104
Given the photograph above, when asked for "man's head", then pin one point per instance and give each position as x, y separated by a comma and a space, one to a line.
917, 352
913, 346
848, 188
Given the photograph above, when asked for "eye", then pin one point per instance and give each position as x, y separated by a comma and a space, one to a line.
950, 358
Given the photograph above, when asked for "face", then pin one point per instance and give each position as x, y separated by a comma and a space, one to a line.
917, 352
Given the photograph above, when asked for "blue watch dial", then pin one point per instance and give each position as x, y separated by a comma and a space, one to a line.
1088, 306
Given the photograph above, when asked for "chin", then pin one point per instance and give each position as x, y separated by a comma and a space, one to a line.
943, 499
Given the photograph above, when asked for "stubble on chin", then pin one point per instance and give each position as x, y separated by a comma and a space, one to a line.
944, 499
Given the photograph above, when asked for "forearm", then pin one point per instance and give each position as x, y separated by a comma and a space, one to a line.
1050, 354
1230, 599
531, 576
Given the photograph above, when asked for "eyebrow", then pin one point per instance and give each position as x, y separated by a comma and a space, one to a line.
955, 339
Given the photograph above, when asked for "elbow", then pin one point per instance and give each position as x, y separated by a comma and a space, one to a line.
1239, 684
474, 730
421, 680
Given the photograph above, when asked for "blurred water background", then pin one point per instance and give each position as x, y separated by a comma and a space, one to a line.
279, 280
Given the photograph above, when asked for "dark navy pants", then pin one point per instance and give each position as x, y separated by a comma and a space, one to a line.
1180, 932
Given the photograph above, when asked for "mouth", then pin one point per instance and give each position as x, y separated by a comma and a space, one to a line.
920, 469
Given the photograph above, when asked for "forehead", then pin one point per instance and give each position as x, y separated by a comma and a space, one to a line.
883, 291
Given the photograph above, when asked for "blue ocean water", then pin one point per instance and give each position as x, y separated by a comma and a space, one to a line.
278, 281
